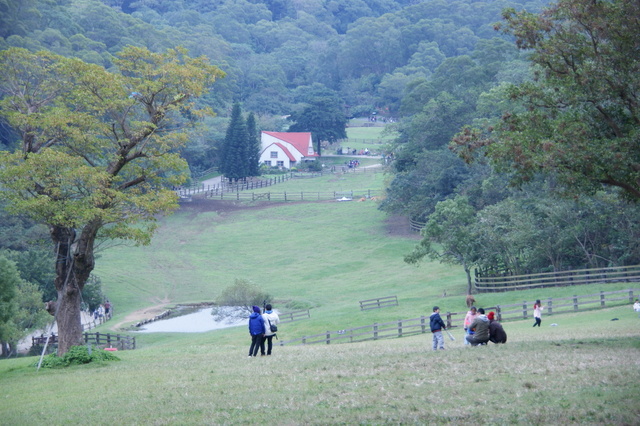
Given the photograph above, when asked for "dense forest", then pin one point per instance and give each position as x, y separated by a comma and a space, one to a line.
456, 80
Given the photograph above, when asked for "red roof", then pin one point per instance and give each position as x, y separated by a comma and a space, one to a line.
286, 151
300, 140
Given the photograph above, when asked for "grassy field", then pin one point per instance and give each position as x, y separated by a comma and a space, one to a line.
326, 256
584, 371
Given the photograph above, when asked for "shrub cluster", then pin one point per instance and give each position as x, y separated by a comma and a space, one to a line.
77, 355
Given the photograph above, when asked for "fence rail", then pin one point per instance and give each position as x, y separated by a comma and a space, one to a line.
106, 340
560, 278
185, 193
408, 327
294, 316
380, 302
294, 195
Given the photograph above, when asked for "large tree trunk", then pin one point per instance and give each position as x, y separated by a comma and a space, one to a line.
74, 263
469, 282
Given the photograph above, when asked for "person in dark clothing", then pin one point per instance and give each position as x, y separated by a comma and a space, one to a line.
437, 325
480, 327
496, 332
256, 330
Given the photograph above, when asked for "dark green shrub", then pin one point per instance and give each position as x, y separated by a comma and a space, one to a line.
77, 355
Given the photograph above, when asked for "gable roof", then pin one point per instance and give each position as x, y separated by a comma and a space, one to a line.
300, 140
285, 150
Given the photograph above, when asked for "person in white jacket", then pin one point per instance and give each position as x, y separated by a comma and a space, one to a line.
270, 318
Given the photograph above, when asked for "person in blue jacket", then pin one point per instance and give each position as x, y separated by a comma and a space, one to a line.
257, 331
437, 325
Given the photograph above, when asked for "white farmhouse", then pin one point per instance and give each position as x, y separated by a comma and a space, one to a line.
286, 149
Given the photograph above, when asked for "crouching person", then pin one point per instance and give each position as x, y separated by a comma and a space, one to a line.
480, 327
496, 332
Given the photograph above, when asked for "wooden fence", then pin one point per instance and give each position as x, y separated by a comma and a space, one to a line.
105, 340
186, 193
416, 226
294, 316
293, 195
408, 327
561, 278
380, 302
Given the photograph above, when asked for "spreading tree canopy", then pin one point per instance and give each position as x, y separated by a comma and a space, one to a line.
581, 120
323, 116
97, 152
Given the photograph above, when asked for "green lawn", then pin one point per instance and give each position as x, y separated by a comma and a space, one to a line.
585, 370
326, 256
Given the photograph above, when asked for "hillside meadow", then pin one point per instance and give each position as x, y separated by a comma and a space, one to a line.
585, 370
325, 257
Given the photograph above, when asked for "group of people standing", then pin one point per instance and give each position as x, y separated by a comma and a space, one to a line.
262, 328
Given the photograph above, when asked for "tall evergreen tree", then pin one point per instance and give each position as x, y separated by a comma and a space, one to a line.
254, 145
235, 165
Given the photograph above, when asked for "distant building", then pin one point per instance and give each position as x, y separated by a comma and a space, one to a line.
286, 149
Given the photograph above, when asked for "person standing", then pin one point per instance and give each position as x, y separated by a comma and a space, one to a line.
437, 325
270, 319
636, 307
480, 328
468, 319
537, 313
496, 332
256, 330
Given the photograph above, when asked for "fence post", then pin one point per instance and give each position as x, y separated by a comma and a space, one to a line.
550, 306
375, 331
499, 312
575, 302
422, 326
399, 328
602, 299
109, 339
630, 296
328, 337
524, 309
449, 320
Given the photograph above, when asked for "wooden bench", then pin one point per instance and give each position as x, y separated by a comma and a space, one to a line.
380, 302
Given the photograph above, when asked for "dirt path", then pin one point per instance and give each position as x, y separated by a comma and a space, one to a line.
142, 314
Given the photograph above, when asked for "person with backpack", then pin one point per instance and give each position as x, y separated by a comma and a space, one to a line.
437, 325
271, 321
256, 330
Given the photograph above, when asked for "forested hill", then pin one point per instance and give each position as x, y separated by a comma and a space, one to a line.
367, 51
435, 65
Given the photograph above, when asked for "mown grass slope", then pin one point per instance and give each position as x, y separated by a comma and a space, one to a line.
326, 256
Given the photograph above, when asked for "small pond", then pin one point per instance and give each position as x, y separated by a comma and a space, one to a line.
199, 321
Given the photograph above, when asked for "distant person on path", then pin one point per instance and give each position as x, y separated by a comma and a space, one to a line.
270, 318
437, 325
257, 330
537, 313
468, 319
636, 307
107, 309
480, 328
496, 332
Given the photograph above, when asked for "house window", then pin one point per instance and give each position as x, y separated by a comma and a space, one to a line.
274, 154
267, 163
280, 163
